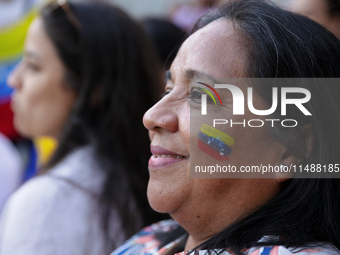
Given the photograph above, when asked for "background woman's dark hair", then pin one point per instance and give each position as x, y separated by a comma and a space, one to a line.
166, 37
117, 77
280, 44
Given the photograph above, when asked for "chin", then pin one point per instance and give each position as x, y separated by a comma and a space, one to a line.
22, 130
25, 131
161, 201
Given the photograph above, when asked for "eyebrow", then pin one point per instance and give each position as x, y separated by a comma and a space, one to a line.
191, 74
32, 54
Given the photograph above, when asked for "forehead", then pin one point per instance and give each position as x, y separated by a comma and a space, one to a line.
216, 50
37, 40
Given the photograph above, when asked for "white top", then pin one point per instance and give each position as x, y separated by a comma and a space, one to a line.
57, 213
10, 169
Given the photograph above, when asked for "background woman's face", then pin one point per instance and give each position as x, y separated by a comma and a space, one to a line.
317, 10
214, 51
41, 101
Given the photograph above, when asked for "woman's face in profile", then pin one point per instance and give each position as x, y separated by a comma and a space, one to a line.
41, 101
212, 54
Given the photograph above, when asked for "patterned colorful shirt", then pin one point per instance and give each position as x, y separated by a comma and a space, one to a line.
147, 242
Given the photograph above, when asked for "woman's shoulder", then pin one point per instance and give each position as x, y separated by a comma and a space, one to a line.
81, 170
35, 192
149, 240
322, 249
77, 174
43, 195
72, 174
42, 203
57, 192
274, 250
78, 164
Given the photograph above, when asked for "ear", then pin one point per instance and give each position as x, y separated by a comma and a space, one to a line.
288, 161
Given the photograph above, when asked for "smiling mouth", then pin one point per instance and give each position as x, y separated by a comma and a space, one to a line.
163, 161
167, 156
162, 158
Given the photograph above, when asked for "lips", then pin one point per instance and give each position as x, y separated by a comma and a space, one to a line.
163, 158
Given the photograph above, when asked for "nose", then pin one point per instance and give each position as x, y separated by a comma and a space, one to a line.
162, 116
14, 79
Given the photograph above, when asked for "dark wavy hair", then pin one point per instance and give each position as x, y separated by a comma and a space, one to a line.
116, 75
166, 37
279, 44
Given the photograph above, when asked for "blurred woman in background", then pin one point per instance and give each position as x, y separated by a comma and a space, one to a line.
325, 12
87, 77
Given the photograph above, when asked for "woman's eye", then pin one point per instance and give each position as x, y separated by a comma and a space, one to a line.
196, 96
31, 66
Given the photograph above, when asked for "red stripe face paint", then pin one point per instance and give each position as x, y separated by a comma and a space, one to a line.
211, 152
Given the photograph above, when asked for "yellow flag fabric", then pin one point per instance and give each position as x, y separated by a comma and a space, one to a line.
45, 147
12, 37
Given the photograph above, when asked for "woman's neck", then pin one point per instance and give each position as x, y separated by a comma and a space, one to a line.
192, 243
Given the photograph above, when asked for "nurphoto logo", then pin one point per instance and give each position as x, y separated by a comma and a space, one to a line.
239, 103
